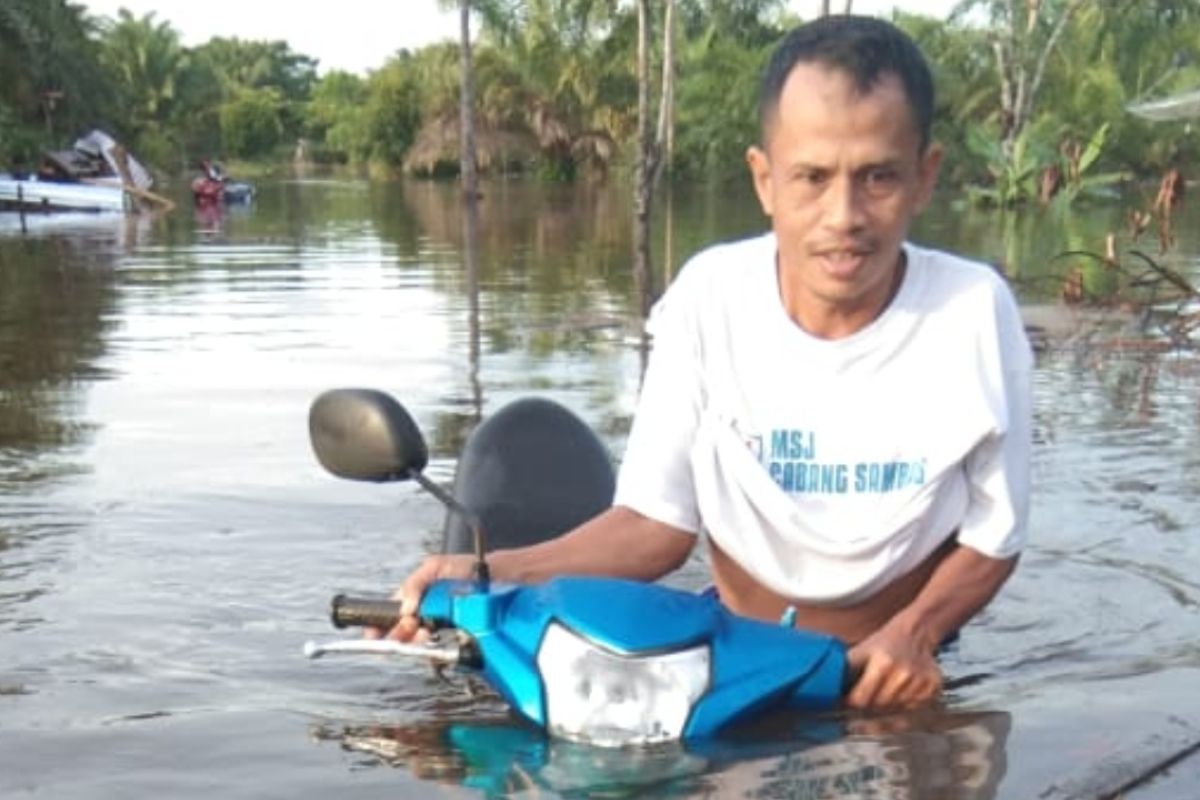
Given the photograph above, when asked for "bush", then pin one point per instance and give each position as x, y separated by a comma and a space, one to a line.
252, 122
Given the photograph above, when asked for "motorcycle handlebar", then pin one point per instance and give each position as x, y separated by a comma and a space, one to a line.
367, 612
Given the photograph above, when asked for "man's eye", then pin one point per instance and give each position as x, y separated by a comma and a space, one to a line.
812, 178
881, 180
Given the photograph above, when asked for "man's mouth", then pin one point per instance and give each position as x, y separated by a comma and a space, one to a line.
843, 262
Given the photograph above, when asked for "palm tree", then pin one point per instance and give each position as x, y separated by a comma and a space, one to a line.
545, 69
470, 181
146, 58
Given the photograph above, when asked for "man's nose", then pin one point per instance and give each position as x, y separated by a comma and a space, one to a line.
844, 204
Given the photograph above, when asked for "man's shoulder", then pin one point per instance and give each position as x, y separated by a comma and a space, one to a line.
949, 275
958, 271
966, 291
728, 261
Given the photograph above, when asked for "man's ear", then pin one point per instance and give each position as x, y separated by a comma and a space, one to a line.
927, 176
760, 173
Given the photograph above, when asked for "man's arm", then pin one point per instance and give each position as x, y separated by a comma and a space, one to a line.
618, 542
897, 664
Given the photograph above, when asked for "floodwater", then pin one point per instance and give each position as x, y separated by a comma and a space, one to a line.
168, 542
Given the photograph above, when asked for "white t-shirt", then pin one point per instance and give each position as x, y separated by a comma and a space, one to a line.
828, 468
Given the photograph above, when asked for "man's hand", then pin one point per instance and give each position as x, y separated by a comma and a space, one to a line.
894, 671
618, 542
409, 594
895, 664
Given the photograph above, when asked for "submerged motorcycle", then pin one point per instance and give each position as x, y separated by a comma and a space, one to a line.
606, 661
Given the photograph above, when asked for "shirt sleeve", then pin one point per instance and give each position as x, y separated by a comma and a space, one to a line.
655, 478
998, 468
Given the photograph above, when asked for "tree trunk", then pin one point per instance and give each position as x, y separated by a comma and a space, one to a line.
643, 189
1021, 63
665, 138
466, 115
470, 189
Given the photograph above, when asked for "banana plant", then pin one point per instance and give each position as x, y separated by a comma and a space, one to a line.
1014, 176
1077, 162
1033, 172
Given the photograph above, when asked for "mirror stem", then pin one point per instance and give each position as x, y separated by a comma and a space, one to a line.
482, 575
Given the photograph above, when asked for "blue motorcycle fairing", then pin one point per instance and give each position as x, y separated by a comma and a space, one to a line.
760, 665
754, 664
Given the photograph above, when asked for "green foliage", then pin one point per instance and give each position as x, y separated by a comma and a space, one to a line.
965, 91
144, 58
558, 76
1076, 165
9, 132
252, 122
1035, 171
241, 64
717, 114
51, 84
335, 118
392, 115
1014, 176
748, 23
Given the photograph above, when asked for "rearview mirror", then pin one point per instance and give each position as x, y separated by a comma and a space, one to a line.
365, 435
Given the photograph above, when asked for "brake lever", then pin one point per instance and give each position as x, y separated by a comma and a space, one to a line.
444, 654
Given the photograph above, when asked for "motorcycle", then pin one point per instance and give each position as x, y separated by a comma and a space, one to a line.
604, 661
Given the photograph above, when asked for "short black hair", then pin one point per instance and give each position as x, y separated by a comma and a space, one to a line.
865, 47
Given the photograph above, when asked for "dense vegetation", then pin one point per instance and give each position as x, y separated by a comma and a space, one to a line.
1031, 93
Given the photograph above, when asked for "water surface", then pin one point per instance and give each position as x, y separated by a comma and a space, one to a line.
167, 541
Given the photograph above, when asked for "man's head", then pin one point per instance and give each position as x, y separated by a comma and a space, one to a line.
844, 166
863, 47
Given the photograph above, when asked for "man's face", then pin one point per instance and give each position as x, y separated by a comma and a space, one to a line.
841, 174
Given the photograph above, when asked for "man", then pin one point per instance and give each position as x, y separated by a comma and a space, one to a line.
846, 416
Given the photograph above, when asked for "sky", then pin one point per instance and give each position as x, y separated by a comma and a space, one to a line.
360, 35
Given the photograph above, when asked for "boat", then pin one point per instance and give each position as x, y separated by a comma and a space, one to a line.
96, 174
213, 186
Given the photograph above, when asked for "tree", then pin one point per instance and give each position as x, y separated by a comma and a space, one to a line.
335, 118
665, 137
392, 113
650, 144
251, 122
965, 82
643, 189
1024, 35
270, 71
549, 67
749, 23
715, 116
52, 82
249, 64
144, 59
1121, 53
470, 181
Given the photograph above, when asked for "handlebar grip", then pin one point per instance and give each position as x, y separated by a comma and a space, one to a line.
347, 611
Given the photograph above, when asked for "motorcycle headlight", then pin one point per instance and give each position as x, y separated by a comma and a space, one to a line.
609, 699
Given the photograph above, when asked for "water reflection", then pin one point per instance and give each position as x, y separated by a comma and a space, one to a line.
955, 755
471, 265
451, 428
58, 300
